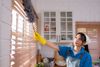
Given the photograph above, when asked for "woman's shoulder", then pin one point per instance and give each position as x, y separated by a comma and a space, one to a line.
87, 55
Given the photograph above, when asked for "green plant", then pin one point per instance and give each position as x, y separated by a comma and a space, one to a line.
39, 65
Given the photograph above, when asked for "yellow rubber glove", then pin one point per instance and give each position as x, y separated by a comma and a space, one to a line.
39, 38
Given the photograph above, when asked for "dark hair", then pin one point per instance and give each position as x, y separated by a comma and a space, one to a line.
83, 37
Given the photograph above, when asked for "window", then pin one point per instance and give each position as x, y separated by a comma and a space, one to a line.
55, 28
50, 25
66, 25
22, 48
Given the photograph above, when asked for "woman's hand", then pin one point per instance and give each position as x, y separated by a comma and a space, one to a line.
39, 38
43, 41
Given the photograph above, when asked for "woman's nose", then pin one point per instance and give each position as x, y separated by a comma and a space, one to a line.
76, 39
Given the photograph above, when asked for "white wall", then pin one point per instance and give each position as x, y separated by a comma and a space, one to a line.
5, 32
83, 10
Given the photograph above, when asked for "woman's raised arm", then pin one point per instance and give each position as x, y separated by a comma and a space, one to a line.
43, 41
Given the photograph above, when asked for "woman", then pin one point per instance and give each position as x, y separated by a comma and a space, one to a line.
75, 56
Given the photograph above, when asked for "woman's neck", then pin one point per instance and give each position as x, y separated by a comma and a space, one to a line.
77, 49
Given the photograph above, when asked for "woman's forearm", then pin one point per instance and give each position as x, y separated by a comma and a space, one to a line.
52, 45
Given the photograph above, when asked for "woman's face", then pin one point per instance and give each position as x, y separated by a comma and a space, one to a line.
77, 41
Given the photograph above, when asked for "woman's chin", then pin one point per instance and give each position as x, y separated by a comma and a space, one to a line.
77, 45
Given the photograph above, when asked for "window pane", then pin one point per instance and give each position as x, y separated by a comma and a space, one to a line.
46, 36
69, 26
46, 14
13, 42
14, 20
53, 19
69, 19
53, 37
46, 19
53, 26
46, 27
63, 37
69, 14
49, 24
63, 14
20, 24
69, 37
63, 26
63, 19
27, 28
13, 37
53, 14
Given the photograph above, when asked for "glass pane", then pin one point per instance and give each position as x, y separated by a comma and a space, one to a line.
14, 20
53, 19
46, 33
63, 14
53, 37
13, 41
20, 39
13, 50
46, 36
53, 29
69, 19
53, 14
63, 26
69, 37
63, 33
46, 14
19, 43
81, 30
20, 23
53, 33
46, 27
13, 37
69, 14
27, 28
63, 19
69, 26
53, 26
46, 19
63, 37
69, 32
